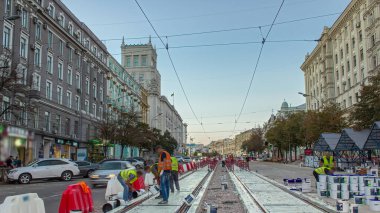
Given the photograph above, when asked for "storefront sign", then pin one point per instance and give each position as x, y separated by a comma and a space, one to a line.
59, 141
17, 132
81, 154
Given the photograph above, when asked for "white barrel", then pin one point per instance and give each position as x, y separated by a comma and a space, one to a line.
334, 194
354, 187
322, 178
344, 187
345, 179
361, 180
322, 186
354, 208
306, 187
354, 179
345, 195
342, 206
374, 205
369, 181
368, 199
359, 199
335, 186
367, 190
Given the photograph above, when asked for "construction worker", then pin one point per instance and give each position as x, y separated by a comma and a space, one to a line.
126, 178
322, 171
174, 175
328, 161
164, 169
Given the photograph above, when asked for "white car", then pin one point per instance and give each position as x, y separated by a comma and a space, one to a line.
44, 169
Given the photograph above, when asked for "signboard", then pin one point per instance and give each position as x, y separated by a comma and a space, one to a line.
81, 154
17, 132
308, 152
59, 141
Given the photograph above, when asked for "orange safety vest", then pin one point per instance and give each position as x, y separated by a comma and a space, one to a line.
166, 164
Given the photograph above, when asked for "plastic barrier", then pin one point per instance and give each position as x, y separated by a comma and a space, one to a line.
180, 168
76, 197
24, 203
184, 166
113, 187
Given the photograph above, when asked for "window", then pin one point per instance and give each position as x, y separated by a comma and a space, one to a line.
48, 90
349, 83
101, 112
341, 53
71, 29
51, 10
94, 109
86, 106
144, 61
60, 70
373, 40
67, 126
348, 66
135, 60
101, 94
47, 121
77, 102
355, 78
353, 42
347, 48
37, 57
337, 75
357, 97
38, 32
7, 37
50, 64
87, 86
94, 90
342, 70
354, 60
58, 119
71, 54
361, 55
24, 18
69, 76
128, 61
360, 36
374, 63
77, 80
36, 82
36, 118
61, 20
78, 62
336, 58
59, 95
60, 47
8, 7
23, 75
50, 40
5, 108
68, 99
350, 101
141, 77
23, 48
344, 104
87, 43
338, 90
76, 132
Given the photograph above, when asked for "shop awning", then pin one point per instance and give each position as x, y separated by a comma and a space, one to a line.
326, 142
373, 141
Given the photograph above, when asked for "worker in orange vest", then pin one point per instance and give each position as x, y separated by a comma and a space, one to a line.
164, 169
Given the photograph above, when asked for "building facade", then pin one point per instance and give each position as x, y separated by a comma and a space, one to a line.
141, 62
346, 55
64, 68
239, 140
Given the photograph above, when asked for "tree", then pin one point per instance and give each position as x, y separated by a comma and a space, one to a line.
367, 110
255, 143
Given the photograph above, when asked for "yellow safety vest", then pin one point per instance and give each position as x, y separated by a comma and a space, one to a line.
328, 162
321, 170
174, 164
127, 174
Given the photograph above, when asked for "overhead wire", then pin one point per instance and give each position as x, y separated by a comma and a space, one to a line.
173, 66
256, 65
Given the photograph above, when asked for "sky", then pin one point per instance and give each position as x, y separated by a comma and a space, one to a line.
216, 77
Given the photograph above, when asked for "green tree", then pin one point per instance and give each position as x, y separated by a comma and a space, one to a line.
367, 110
255, 143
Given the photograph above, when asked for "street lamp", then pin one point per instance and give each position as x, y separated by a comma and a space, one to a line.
309, 95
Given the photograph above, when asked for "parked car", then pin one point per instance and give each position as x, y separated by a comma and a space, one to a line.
107, 170
139, 159
180, 159
44, 169
136, 163
186, 159
86, 168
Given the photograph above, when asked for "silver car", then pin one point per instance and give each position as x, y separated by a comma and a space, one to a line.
107, 170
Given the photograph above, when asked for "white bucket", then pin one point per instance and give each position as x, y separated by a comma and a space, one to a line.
322, 186
342, 206
359, 199
345, 179
306, 187
334, 194
344, 187
374, 172
368, 199
323, 178
335, 186
361, 180
354, 187
369, 181
354, 208
354, 179
345, 195
323, 193
374, 205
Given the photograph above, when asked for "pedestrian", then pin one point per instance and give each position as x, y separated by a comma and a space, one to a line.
174, 175
328, 161
126, 178
148, 178
322, 171
9, 162
164, 169
17, 162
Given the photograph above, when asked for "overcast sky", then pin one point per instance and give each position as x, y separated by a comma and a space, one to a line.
216, 78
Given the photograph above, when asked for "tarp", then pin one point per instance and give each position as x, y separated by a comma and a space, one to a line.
373, 141
352, 140
326, 142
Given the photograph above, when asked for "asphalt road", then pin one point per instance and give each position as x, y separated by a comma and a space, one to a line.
50, 192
